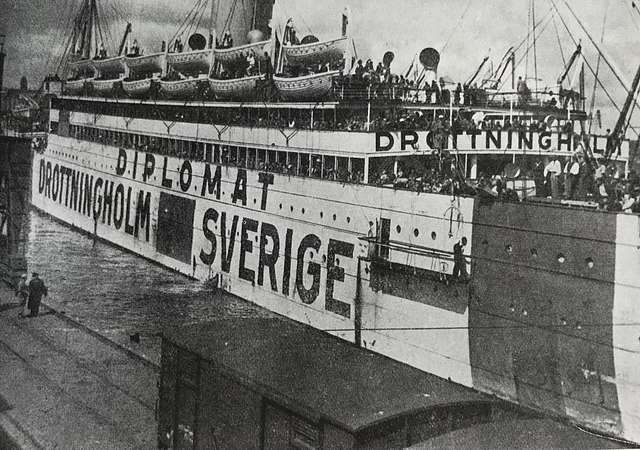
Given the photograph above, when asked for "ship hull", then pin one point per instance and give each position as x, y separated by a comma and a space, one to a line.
527, 327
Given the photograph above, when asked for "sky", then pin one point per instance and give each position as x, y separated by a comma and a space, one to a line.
465, 31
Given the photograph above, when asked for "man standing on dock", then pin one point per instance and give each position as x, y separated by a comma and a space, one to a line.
37, 289
22, 292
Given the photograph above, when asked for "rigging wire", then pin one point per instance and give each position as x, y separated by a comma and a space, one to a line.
526, 66
542, 29
575, 42
555, 26
535, 52
595, 85
455, 28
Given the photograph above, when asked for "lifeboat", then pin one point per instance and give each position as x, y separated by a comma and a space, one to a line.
83, 66
235, 89
233, 55
109, 66
104, 87
75, 87
145, 64
137, 88
190, 62
309, 87
180, 88
315, 52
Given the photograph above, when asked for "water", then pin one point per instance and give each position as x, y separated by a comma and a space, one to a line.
117, 293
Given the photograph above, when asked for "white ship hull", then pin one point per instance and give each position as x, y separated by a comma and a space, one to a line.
295, 246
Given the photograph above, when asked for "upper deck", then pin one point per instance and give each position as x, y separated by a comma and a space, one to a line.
373, 127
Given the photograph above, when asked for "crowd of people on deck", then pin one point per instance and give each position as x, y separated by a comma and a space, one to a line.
574, 178
588, 179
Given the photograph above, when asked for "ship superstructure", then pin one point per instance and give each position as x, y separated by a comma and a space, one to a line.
361, 208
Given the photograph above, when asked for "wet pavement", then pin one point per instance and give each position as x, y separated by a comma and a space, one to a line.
116, 293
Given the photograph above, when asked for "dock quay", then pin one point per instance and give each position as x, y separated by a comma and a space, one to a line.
63, 386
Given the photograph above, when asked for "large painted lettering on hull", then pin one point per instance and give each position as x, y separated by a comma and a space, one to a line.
110, 202
276, 246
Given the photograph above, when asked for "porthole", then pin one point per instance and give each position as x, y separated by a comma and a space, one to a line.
291, 208
416, 232
302, 210
348, 219
398, 229
321, 214
337, 261
433, 235
509, 249
255, 201
534, 253
335, 217
590, 263
280, 205
561, 258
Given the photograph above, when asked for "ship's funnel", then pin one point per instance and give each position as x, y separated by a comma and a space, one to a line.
197, 41
387, 59
309, 39
430, 58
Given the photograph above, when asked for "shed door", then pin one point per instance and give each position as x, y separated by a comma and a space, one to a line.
284, 430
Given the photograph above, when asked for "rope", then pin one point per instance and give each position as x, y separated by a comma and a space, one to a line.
575, 42
595, 85
555, 26
456, 28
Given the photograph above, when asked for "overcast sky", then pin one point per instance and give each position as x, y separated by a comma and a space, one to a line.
471, 29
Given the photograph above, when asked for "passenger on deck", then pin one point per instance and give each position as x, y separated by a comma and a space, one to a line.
102, 53
523, 90
570, 172
135, 48
552, 173
251, 64
227, 40
177, 46
459, 262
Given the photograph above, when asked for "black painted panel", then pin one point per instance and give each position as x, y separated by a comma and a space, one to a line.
175, 227
419, 285
540, 329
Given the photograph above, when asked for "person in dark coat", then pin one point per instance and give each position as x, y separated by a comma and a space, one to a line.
459, 263
37, 289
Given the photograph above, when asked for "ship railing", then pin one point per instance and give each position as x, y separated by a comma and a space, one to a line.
349, 89
440, 264
382, 250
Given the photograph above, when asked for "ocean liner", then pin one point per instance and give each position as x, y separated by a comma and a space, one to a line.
427, 221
